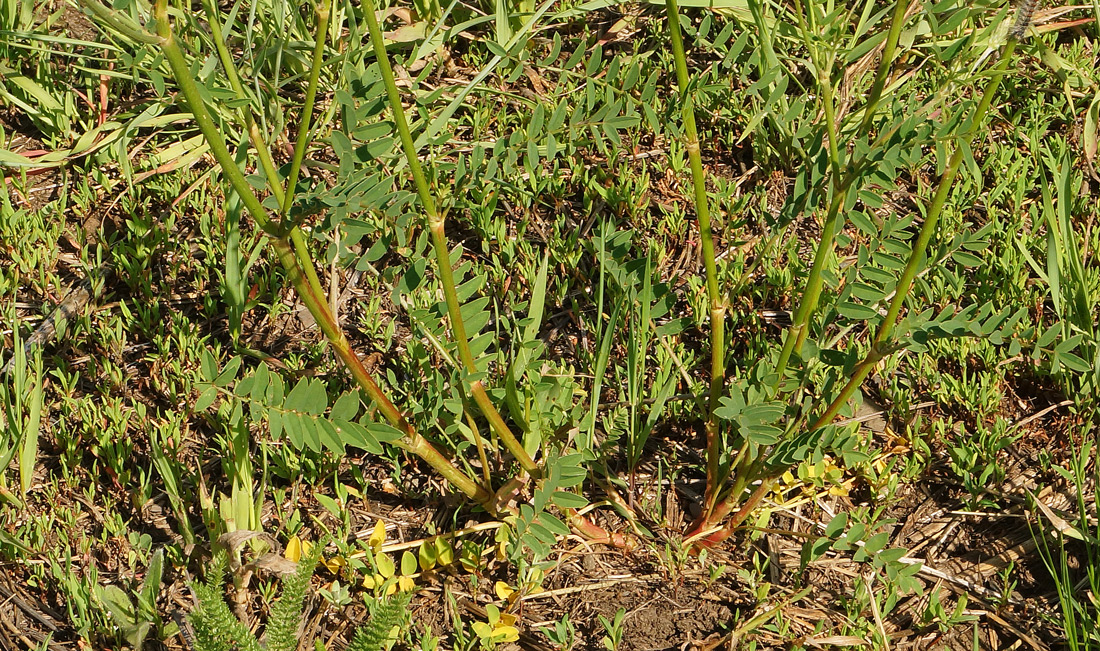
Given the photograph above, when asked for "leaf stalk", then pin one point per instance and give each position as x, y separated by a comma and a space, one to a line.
706, 238
290, 258
435, 221
919, 252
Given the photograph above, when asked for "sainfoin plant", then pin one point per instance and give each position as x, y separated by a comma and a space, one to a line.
768, 427
759, 421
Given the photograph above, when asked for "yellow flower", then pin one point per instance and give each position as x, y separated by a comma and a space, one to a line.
296, 548
504, 592
377, 537
499, 628
335, 564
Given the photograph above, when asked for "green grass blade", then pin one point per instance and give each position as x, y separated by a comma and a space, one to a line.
444, 117
28, 450
538, 302
602, 358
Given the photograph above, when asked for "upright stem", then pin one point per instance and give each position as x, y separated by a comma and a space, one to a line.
706, 237
811, 296
213, 19
920, 247
815, 283
963, 141
880, 346
323, 13
798, 332
884, 64
286, 253
442, 254
263, 152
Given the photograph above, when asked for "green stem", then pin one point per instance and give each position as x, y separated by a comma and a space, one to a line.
920, 247
874, 356
815, 283
218, 148
480, 444
823, 73
305, 259
213, 18
706, 237
884, 64
928, 229
880, 346
442, 254
796, 336
314, 301
811, 296
324, 12
121, 23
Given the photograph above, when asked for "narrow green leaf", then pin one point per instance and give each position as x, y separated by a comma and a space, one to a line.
346, 406
229, 373
206, 398
209, 365
355, 435
384, 432
311, 432
275, 424
856, 311
260, 383
329, 436
567, 500
876, 542
837, 524
294, 429
1048, 336
28, 452
308, 396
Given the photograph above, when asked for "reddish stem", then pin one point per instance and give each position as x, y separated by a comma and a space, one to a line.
597, 534
703, 523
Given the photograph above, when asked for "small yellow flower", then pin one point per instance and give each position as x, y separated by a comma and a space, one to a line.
335, 564
499, 628
504, 592
296, 548
377, 537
